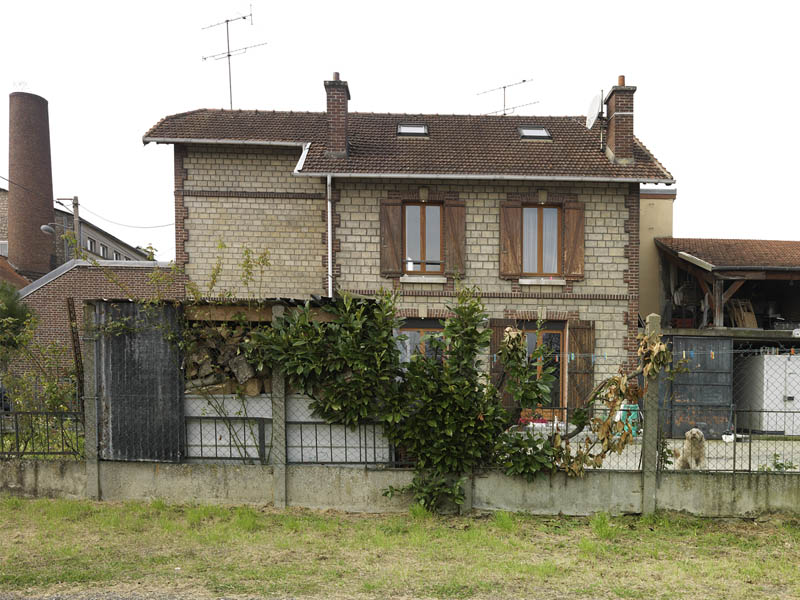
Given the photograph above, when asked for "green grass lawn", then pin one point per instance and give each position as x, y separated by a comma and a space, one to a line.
59, 546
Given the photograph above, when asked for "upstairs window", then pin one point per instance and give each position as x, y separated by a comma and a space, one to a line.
91, 245
541, 240
117, 255
412, 130
422, 238
103, 250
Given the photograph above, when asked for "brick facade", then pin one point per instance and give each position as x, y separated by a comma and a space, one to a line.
248, 197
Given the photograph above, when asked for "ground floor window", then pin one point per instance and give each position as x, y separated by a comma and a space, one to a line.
551, 336
418, 332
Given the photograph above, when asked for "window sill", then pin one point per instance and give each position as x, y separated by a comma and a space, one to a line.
423, 279
542, 281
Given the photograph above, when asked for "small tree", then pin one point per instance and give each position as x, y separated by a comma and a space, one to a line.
450, 413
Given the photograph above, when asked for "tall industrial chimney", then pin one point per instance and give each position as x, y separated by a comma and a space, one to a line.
30, 193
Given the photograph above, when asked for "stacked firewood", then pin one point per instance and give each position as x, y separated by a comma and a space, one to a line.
215, 363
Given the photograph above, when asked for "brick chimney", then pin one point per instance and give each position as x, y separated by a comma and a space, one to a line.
619, 112
338, 95
30, 196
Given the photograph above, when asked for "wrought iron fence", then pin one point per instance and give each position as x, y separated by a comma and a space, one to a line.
246, 439
324, 443
41, 434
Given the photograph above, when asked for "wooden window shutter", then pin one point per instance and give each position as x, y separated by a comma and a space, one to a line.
455, 237
510, 239
498, 327
580, 374
574, 241
391, 238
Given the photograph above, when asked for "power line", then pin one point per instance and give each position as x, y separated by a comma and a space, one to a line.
83, 207
27, 189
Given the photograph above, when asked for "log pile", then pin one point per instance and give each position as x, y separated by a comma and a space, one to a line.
215, 363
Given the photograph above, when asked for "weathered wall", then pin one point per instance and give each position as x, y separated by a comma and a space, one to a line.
612, 492
218, 484
43, 478
353, 489
359, 489
248, 198
728, 494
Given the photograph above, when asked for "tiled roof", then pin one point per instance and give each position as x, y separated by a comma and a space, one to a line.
457, 145
10, 275
738, 253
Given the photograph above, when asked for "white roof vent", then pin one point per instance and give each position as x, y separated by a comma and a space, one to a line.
412, 129
532, 132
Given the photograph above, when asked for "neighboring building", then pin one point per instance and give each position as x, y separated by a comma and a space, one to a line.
3, 222
542, 213
735, 284
30, 252
79, 280
730, 310
655, 221
95, 242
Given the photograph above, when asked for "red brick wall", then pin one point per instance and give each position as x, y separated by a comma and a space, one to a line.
620, 126
631, 276
338, 94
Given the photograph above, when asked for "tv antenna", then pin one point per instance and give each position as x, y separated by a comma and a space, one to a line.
505, 109
228, 53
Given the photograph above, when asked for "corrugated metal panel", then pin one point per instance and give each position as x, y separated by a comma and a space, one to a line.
141, 384
702, 397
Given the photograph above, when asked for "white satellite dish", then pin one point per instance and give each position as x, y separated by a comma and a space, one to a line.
595, 108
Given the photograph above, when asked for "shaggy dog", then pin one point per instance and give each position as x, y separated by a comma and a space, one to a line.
693, 455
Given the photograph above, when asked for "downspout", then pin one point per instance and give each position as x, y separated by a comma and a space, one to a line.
330, 239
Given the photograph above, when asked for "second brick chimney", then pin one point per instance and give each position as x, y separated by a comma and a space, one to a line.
338, 95
619, 112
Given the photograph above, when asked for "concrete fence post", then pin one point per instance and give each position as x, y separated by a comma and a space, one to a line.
90, 392
650, 435
278, 428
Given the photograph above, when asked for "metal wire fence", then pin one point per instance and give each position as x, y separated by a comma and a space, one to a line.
735, 408
40, 434
757, 441
558, 420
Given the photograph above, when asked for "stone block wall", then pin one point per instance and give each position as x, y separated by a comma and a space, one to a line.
248, 198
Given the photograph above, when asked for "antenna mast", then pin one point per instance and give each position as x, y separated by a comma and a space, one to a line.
504, 87
228, 53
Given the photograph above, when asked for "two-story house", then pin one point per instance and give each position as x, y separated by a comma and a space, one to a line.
541, 213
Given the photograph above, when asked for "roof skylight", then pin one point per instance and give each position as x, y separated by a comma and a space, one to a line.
531, 132
412, 129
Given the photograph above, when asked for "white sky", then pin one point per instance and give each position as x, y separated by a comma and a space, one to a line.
717, 101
